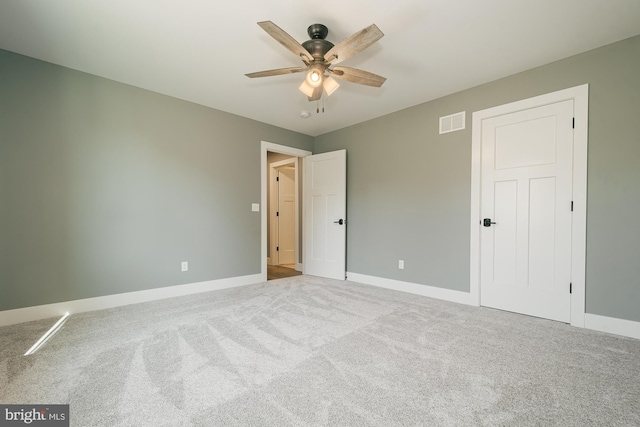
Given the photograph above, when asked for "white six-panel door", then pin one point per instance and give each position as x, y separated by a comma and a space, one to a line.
325, 177
526, 196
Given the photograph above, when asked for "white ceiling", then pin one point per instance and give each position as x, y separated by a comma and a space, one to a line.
199, 50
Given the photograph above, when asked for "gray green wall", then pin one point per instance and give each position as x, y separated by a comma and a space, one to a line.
106, 188
409, 189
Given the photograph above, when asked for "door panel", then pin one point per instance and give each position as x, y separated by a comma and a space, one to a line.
325, 204
527, 143
505, 266
335, 232
286, 216
319, 230
526, 191
542, 232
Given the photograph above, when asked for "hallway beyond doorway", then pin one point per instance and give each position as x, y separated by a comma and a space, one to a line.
280, 272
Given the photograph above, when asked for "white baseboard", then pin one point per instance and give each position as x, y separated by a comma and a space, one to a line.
299, 267
612, 325
414, 288
28, 314
627, 328
595, 322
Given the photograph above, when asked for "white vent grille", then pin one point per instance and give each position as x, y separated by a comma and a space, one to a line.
452, 123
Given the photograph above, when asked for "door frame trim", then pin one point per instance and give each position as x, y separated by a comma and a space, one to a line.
264, 148
580, 96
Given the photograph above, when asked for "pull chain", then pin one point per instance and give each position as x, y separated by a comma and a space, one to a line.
318, 105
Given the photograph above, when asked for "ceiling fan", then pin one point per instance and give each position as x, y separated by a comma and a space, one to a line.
320, 57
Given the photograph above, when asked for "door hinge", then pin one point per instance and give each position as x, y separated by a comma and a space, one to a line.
573, 123
278, 213
572, 206
277, 248
277, 178
570, 288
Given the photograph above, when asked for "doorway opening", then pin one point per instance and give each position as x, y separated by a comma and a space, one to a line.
281, 164
283, 208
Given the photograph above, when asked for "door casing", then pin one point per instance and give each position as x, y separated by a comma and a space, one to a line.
580, 96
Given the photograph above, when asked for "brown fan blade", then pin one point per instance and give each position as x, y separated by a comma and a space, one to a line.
354, 75
353, 44
286, 40
317, 93
277, 72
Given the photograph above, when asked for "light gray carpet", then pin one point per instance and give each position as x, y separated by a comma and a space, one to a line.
305, 351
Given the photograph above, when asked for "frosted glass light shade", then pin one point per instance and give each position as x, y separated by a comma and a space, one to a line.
306, 88
330, 85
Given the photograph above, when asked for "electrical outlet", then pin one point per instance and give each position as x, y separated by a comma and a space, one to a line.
184, 266
401, 264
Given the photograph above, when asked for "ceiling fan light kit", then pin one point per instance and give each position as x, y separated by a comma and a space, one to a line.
319, 55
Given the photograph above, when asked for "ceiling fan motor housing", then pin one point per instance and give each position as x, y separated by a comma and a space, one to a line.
317, 46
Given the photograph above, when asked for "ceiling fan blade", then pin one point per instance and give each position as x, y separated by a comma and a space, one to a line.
286, 40
276, 72
317, 94
362, 77
353, 44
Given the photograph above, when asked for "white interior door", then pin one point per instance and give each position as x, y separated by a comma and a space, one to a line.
286, 246
324, 184
526, 196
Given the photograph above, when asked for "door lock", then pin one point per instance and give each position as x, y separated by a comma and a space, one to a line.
340, 221
488, 222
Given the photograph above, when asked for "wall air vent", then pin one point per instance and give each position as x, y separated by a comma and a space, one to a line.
452, 123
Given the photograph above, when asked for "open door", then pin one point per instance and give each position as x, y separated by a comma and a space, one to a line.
285, 253
325, 221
